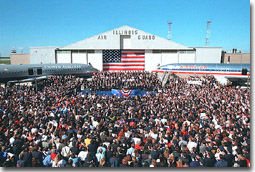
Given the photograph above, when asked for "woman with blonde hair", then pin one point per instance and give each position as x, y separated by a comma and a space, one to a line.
171, 160
166, 153
153, 163
102, 163
179, 163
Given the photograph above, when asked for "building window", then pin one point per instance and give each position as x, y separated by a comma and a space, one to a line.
169, 51
156, 51
187, 52
91, 51
164, 51
63, 52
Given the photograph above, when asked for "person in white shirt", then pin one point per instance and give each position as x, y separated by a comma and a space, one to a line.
217, 154
83, 154
100, 155
153, 135
11, 140
131, 150
136, 140
65, 151
191, 144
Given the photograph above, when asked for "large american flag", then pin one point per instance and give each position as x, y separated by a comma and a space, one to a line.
123, 60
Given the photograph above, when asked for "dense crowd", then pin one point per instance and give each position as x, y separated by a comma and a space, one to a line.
117, 80
182, 125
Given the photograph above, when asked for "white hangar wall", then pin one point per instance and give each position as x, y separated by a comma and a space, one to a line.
63, 57
153, 58
158, 51
208, 54
80, 57
96, 59
187, 57
42, 55
169, 57
84, 56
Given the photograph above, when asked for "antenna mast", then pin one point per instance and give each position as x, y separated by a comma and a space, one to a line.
21, 49
208, 33
169, 34
13, 50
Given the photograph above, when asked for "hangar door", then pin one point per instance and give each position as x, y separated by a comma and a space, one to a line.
125, 42
187, 57
79, 57
169, 57
63, 57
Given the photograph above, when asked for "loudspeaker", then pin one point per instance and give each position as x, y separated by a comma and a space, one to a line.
244, 71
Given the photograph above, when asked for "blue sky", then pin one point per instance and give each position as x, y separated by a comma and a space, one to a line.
33, 23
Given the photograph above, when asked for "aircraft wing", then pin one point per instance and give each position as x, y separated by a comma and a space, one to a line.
30, 79
237, 77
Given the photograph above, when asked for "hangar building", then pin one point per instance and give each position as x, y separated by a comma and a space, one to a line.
125, 48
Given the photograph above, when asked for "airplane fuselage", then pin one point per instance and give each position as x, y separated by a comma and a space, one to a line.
207, 69
230, 72
20, 72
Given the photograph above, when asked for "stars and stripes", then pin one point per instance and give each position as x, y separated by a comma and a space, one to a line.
123, 60
125, 92
111, 56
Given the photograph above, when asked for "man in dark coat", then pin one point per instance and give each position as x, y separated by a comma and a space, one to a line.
114, 161
222, 162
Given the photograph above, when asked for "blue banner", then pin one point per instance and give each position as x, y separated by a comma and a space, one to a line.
122, 92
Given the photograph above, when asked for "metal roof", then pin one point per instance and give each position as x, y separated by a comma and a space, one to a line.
139, 40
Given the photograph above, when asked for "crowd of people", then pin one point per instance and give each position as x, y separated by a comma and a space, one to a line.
117, 80
181, 125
